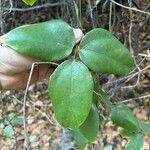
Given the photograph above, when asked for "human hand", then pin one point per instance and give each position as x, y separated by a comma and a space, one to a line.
15, 68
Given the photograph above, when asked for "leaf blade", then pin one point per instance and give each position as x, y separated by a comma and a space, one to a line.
73, 103
49, 41
80, 140
103, 53
122, 116
29, 2
136, 143
90, 127
8, 131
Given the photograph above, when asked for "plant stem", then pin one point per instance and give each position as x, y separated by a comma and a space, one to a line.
110, 15
78, 13
75, 50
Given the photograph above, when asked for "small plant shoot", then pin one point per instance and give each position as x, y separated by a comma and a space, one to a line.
10, 123
74, 95
29, 2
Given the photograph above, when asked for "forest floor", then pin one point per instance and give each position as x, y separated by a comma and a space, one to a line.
130, 27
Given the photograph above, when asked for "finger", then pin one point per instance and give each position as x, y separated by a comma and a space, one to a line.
18, 81
78, 35
12, 62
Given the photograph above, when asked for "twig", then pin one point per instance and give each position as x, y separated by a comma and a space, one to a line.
35, 7
42, 113
144, 55
115, 85
144, 10
11, 6
135, 74
34, 107
130, 40
91, 12
78, 13
134, 9
1, 18
24, 108
25, 96
136, 98
110, 15
131, 76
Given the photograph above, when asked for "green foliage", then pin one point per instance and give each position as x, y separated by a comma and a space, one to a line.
122, 116
103, 53
81, 141
14, 119
71, 85
8, 131
145, 127
49, 41
11, 121
90, 127
29, 2
87, 132
135, 143
71, 92
127, 134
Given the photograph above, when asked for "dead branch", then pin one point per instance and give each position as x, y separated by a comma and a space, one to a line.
130, 8
34, 7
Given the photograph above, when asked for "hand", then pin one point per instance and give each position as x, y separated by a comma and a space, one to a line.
15, 68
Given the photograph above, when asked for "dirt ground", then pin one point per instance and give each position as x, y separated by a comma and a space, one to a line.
131, 27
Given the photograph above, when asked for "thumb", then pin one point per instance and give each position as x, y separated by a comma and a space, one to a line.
78, 35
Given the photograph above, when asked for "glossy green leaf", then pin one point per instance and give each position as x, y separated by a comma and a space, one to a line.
71, 92
122, 116
103, 53
49, 41
145, 127
80, 140
90, 127
8, 131
29, 2
136, 143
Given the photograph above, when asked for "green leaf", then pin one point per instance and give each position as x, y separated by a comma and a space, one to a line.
103, 53
80, 140
17, 120
29, 2
71, 92
122, 116
48, 41
87, 132
90, 127
8, 131
11, 116
127, 134
145, 127
136, 143
14, 119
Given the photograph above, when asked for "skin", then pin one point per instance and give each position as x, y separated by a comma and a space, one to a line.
15, 68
